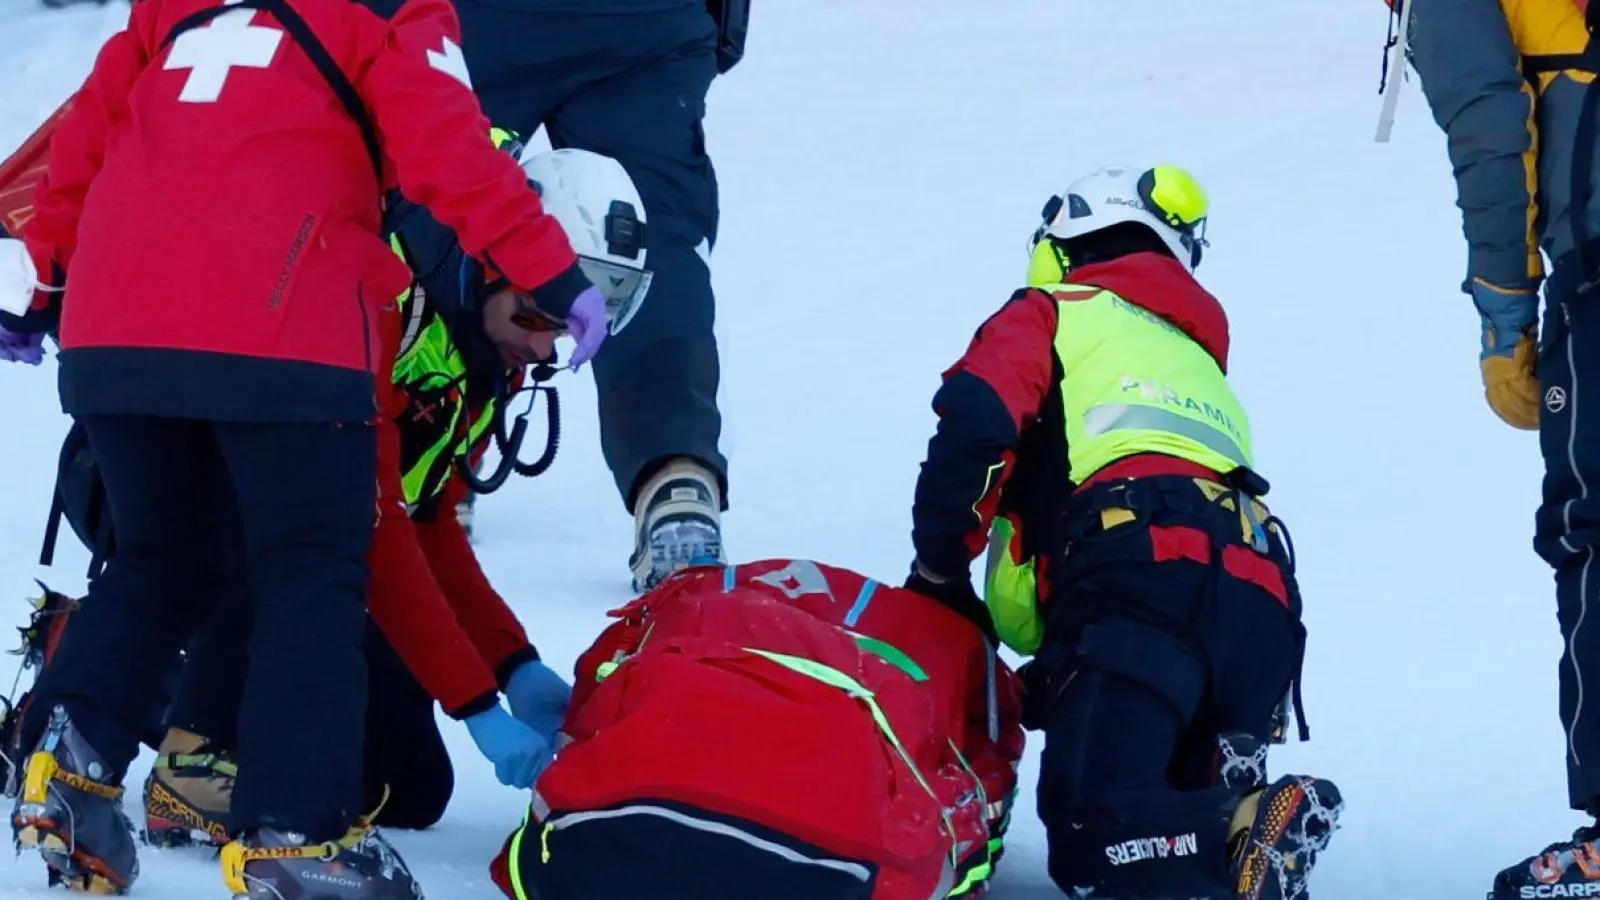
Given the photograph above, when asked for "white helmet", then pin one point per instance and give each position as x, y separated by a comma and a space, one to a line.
1165, 199
598, 206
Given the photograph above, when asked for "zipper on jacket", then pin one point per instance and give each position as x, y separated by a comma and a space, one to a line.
366, 334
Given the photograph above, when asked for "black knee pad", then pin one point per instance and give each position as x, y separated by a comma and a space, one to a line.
1161, 661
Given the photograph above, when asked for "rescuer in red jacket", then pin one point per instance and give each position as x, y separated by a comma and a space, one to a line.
213, 208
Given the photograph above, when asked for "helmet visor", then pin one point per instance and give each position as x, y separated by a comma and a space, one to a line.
624, 288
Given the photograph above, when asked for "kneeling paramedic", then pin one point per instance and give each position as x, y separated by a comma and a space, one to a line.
1090, 423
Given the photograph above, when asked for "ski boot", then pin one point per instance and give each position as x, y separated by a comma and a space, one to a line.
1564, 869
188, 793
72, 814
272, 865
1277, 833
677, 521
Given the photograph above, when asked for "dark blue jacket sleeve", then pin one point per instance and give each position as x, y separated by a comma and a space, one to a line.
987, 398
452, 279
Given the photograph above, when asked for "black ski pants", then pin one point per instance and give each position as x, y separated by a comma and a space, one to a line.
300, 500
1156, 645
405, 766
1568, 521
632, 87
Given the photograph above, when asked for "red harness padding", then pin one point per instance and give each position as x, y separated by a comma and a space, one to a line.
1173, 542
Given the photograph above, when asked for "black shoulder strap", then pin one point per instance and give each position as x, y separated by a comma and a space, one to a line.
296, 26
70, 447
1587, 61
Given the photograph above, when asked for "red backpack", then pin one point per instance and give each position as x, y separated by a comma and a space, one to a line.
726, 742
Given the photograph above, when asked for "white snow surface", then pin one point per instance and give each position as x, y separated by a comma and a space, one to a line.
882, 163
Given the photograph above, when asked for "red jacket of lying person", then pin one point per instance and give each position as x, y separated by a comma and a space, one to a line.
781, 729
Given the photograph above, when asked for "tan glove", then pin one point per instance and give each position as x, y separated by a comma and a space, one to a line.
1512, 387
1510, 336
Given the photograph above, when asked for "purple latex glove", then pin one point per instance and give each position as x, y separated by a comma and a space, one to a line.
23, 347
589, 323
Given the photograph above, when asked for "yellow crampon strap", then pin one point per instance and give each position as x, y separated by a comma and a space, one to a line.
173, 762
235, 855
43, 769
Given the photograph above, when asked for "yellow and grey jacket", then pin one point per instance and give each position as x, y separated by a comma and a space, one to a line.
1506, 81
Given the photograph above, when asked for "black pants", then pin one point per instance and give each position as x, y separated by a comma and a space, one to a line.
184, 493
405, 766
632, 87
1144, 664
1568, 521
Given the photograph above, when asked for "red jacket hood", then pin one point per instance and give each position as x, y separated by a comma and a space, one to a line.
1160, 284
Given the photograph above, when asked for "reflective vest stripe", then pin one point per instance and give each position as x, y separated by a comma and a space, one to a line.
1127, 417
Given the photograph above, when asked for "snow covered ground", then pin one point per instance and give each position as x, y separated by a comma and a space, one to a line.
882, 163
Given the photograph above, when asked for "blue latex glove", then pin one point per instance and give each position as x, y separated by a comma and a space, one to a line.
519, 754
589, 323
539, 697
21, 347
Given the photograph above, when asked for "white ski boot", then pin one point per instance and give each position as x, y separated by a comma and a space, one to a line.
677, 523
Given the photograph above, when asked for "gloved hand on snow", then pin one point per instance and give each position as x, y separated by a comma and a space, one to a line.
538, 698
518, 752
23, 347
1510, 336
18, 276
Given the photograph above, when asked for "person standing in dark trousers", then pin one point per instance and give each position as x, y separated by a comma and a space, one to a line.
216, 227
628, 79
1090, 436
440, 629
1513, 87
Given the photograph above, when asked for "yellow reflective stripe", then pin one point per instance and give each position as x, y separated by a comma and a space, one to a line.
835, 678
400, 251
515, 862
892, 655
433, 362
991, 477
1109, 417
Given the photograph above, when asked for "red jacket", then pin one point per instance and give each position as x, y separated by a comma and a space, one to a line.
691, 721
431, 599
219, 228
